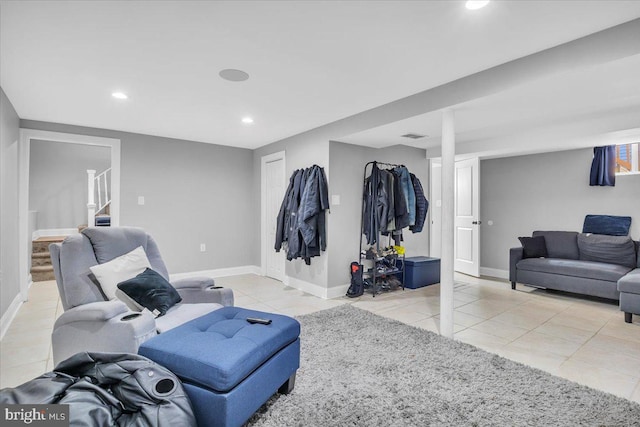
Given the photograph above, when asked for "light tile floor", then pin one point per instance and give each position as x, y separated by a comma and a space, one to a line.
576, 338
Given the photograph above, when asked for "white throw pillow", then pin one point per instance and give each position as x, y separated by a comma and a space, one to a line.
120, 269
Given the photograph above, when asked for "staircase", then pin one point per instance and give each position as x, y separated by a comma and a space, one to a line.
98, 186
41, 268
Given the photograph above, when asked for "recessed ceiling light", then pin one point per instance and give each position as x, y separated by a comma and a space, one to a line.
476, 4
233, 75
247, 120
119, 95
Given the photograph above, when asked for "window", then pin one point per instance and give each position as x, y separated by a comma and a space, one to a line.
627, 158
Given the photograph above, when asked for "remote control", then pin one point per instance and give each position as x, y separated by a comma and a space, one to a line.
254, 320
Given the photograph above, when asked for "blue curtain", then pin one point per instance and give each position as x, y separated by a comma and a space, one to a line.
603, 168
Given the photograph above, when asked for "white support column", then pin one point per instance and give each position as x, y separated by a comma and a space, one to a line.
91, 203
448, 218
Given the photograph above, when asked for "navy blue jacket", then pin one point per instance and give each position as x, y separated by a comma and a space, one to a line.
422, 205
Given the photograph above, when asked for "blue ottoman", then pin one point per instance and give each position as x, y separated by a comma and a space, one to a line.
228, 366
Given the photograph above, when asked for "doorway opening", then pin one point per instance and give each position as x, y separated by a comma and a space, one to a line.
272, 192
27, 136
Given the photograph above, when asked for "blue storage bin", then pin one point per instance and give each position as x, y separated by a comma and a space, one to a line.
421, 271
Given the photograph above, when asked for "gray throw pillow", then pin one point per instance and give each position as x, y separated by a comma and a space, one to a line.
620, 250
560, 244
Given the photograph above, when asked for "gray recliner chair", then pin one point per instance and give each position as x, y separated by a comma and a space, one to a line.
92, 323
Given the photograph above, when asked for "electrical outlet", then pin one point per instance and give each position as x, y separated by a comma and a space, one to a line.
203, 247
141, 200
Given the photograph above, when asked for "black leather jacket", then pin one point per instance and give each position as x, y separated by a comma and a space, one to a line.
109, 389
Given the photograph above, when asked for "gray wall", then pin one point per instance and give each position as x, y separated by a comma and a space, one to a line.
194, 193
9, 265
347, 163
546, 191
299, 154
347, 172
343, 165
58, 181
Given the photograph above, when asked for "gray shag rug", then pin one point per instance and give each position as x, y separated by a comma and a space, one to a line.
360, 369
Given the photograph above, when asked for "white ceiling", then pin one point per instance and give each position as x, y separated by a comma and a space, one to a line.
598, 93
310, 62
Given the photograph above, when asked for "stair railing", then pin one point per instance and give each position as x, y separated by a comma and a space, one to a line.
97, 185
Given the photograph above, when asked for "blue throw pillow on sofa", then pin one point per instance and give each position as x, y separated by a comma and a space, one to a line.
534, 247
152, 291
607, 224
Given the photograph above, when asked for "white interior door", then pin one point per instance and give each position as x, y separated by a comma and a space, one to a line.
467, 217
274, 180
435, 210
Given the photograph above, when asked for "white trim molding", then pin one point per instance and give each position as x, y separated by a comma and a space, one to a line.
280, 155
315, 290
9, 315
304, 286
219, 272
26, 135
50, 232
337, 291
494, 272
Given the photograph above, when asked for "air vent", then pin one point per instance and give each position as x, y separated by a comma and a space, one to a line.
413, 136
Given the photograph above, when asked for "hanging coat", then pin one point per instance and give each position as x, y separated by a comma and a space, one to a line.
408, 191
284, 215
376, 205
301, 222
400, 203
422, 205
387, 220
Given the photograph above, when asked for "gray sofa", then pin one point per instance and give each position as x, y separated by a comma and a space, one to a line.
567, 268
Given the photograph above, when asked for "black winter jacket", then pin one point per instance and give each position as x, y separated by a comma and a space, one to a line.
422, 205
301, 223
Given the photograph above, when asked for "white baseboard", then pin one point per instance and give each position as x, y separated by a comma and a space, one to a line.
9, 315
337, 291
304, 286
494, 272
315, 290
53, 232
220, 272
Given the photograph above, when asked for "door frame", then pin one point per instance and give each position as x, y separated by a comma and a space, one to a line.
264, 244
435, 245
475, 225
26, 135
438, 162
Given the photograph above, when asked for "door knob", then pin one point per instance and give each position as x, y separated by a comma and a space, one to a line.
476, 222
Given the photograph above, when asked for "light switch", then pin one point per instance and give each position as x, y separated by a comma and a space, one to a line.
141, 200
203, 247
335, 199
